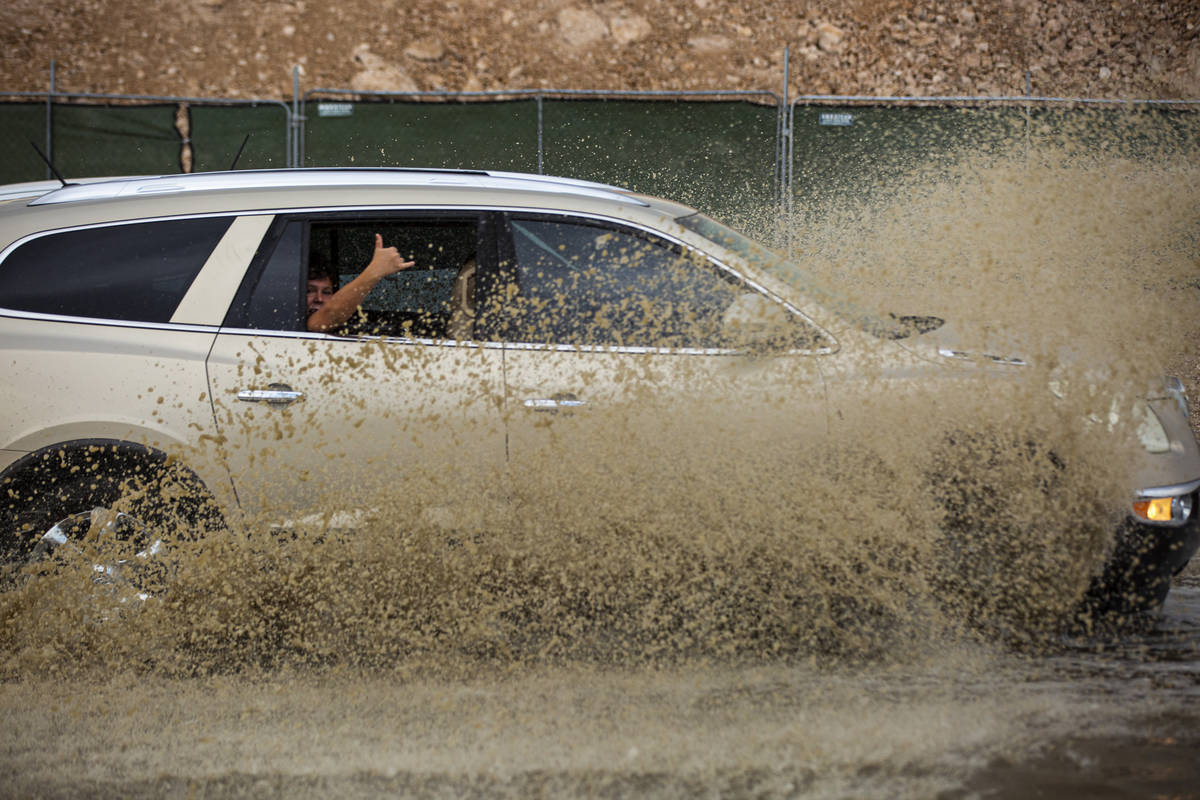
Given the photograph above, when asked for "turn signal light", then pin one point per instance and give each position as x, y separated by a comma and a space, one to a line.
1163, 510
1156, 510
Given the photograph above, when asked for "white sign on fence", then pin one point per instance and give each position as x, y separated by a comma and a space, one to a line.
335, 109
836, 118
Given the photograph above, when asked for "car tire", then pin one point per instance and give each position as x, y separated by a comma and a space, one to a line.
119, 498
1137, 577
997, 569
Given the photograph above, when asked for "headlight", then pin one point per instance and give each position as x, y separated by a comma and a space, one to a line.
1150, 430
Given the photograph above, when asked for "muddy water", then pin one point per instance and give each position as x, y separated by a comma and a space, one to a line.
716, 611
1112, 717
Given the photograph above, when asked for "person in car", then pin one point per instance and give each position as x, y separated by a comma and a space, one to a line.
329, 308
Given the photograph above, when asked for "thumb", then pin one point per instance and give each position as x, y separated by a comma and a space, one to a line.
378, 242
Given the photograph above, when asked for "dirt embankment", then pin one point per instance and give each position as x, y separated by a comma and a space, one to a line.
237, 49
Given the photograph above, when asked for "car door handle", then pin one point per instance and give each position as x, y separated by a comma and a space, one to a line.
276, 394
553, 404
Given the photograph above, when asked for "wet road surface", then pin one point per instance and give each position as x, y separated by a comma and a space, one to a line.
1113, 716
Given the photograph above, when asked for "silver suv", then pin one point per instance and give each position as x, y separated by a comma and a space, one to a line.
161, 367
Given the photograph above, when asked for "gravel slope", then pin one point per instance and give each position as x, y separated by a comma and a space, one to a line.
240, 49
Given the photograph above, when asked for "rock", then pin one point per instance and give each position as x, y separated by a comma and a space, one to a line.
428, 49
1187, 80
1148, 47
378, 75
580, 27
709, 44
629, 28
829, 37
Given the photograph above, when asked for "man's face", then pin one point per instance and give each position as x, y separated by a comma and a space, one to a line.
319, 290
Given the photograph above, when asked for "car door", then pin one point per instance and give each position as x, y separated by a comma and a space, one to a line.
621, 342
388, 406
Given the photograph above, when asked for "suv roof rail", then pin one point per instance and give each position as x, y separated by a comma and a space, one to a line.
323, 177
17, 191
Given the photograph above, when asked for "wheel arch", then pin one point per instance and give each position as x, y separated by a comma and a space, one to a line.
36, 472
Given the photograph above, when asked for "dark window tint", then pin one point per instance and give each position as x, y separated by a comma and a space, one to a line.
586, 284
269, 298
591, 285
125, 272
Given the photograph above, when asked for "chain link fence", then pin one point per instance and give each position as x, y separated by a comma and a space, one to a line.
722, 151
841, 146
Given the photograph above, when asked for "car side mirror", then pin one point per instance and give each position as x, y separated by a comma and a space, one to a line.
756, 322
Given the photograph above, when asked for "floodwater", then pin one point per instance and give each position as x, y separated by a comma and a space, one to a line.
697, 609
1097, 717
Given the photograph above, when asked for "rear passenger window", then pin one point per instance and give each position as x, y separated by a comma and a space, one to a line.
138, 272
415, 302
432, 299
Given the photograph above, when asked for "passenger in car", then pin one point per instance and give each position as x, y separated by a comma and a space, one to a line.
462, 303
329, 307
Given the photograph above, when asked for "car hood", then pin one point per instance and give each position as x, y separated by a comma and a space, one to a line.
947, 342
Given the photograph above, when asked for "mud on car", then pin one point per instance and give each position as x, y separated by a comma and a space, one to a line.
160, 372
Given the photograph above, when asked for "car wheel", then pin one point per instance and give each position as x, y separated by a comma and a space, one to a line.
1005, 559
116, 518
1137, 577
115, 549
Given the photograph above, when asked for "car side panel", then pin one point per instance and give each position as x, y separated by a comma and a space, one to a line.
372, 417
89, 379
571, 405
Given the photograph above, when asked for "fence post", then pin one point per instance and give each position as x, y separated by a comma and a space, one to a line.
293, 120
1028, 110
788, 148
541, 165
783, 164
50, 122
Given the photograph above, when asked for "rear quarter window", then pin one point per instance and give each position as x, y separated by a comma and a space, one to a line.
135, 272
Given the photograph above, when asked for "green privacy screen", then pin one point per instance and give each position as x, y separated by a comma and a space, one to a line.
715, 155
88, 140
845, 154
217, 134
21, 124
500, 136
719, 157
125, 140
94, 140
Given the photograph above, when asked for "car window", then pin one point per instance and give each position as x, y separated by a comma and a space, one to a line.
591, 284
134, 272
416, 302
884, 326
271, 296
413, 302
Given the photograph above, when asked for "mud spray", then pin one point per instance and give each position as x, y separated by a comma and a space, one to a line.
685, 597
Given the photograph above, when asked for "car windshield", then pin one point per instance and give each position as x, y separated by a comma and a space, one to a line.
763, 258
